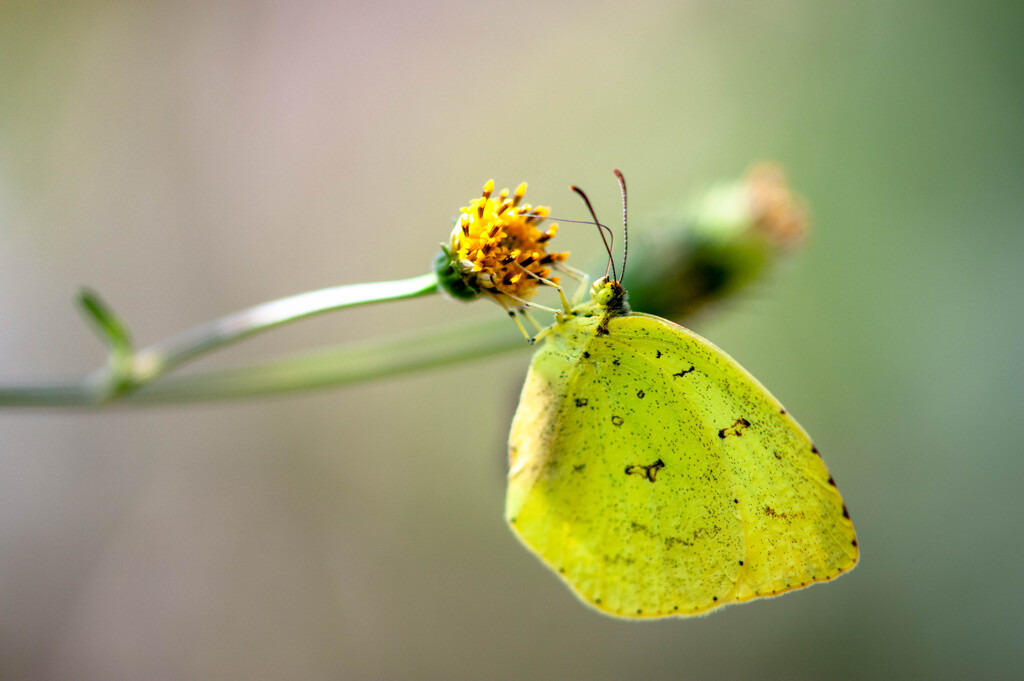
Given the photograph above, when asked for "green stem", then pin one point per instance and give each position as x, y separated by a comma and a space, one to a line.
149, 364
339, 365
163, 356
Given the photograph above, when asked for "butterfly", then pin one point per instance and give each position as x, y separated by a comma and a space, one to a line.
657, 477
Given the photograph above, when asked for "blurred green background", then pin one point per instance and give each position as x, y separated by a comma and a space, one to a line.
190, 159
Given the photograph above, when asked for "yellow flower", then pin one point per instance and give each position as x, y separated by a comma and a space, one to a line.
498, 249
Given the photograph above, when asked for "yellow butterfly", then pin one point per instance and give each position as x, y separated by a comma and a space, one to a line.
657, 477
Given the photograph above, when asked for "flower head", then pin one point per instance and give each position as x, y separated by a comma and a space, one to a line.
726, 239
497, 248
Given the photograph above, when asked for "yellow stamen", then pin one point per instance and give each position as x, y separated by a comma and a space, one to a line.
520, 193
497, 248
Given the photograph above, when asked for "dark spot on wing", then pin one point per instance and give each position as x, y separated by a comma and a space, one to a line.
831, 481
735, 429
846, 514
649, 472
618, 558
578, 468
772, 513
617, 420
615, 361
683, 372
671, 542
777, 456
581, 401
658, 356
815, 450
640, 394
586, 355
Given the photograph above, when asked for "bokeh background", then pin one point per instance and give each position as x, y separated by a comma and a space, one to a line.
190, 159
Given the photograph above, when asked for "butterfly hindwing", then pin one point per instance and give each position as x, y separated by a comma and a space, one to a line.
657, 477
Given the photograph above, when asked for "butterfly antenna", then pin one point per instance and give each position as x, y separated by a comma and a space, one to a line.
607, 246
625, 229
554, 218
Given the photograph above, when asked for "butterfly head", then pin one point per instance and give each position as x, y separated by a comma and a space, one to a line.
609, 295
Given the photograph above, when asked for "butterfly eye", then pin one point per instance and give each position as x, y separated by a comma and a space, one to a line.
602, 291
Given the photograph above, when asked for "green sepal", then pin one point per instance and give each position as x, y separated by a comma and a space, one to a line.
450, 279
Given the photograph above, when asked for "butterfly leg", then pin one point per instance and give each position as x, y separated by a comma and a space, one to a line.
547, 282
581, 279
529, 317
514, 316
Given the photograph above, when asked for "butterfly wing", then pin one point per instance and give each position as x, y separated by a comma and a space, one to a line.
658, 478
